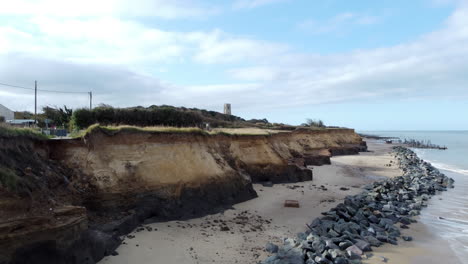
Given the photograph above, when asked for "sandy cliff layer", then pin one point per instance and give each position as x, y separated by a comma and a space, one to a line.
129, 161
93, 190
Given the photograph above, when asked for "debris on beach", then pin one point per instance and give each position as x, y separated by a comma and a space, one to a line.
291, 203
368, 219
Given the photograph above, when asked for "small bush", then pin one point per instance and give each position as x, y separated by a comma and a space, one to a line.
314, 123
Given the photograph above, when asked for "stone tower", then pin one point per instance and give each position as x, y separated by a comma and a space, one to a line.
227, 109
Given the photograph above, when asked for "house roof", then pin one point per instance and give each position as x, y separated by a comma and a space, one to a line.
4, 108
20, 121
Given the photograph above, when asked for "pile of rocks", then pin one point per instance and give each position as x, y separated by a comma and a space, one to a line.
365, 220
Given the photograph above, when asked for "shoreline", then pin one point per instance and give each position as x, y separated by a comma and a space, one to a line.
201, 240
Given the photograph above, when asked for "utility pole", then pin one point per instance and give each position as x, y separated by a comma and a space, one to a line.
35, 103
90, 100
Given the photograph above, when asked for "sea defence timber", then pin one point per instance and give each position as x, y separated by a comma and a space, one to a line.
76, 197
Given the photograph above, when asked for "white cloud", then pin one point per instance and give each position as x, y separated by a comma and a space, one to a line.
433, 65
218, 47
154, 8
247, 4
337, 23
115, 41
110, 56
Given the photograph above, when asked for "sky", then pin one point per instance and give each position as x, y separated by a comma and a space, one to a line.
369, 65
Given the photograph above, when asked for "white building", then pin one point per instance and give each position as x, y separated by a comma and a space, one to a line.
7, 113
227, 109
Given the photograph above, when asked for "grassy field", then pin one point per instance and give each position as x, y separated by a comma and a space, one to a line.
111, 130
9, 131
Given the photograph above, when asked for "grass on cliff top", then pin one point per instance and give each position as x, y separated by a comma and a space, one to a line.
112, 130
10, 132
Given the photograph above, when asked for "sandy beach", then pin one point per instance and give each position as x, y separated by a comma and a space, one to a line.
239, 235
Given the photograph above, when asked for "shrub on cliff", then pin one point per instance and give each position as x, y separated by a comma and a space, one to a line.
136, 116
314, 123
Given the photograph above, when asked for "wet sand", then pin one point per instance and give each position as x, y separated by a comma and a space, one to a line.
426, 248
239, 235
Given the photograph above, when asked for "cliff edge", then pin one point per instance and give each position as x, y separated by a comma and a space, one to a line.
80, 195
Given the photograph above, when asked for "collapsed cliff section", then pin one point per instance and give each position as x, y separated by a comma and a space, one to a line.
39, 202
82, 194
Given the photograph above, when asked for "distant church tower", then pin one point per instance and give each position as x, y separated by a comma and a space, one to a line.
227, 109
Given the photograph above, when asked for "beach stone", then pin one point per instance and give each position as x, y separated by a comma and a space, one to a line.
330, 245
344, 245
271, 248
373, 219
388, 208
292, 256
322, 260
340, 260
334, 253
270, 260
363, 245
405, 220
392, 241
385, 221
368, 219
354, 252
382, 238
318, 246
407, 238
384, 259
333, 233
302, 236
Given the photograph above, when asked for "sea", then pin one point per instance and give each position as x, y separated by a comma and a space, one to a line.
447, 214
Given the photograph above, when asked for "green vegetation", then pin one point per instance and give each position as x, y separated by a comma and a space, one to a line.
112, 130
59, 117
314, 123
138, 116
8, 179
7, 131
157, 116
24, 115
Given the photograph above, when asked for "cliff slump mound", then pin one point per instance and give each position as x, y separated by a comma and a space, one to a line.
81, 195
37, 197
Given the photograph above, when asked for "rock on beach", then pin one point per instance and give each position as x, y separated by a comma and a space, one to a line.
366, 220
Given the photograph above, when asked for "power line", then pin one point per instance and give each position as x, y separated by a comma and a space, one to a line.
14, 86
48, 91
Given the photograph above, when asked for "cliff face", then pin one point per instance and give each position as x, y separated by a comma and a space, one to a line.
135, 162
117, 181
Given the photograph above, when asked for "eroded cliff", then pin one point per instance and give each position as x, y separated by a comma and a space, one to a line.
105, 184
